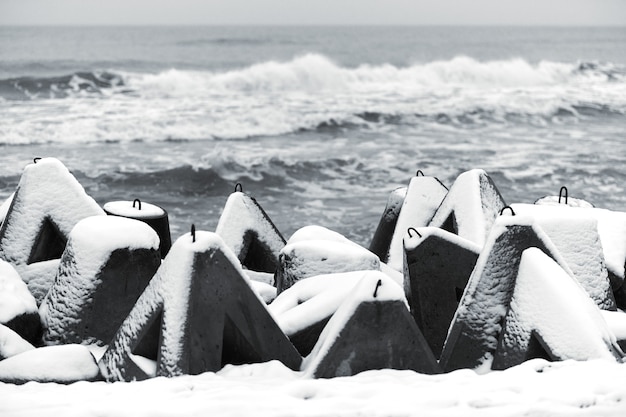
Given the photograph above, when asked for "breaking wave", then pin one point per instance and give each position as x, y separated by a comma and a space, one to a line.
308, 93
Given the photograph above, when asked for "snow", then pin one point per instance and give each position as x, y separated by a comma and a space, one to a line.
487, 294
11, 343
553, 200
307, 258
611, 228
15, 299
575, 234
616, 320
475, 203
315, 232
169, 290
412, 240
132, 210
242, 214
46, 190
313, 299
367, 289
4, 207
64, 363
88, 249
546, 299
423, 197
535, 388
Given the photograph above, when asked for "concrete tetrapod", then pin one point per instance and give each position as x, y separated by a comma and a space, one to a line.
197, 314
424, 195
387, 224
106, 265
437, 267
552, 317
470, 207
372, 329
473, 336
250, 233
47, 204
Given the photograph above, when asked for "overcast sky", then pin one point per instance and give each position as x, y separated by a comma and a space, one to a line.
297, 12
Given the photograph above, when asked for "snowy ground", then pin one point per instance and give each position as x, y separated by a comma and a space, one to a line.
535, 388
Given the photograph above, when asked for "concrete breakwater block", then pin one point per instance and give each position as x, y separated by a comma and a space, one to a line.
470, 207
611, 230
303, 310
154, 216
307, 258
18, 308
250, 233
63, 364
387, 224
11, 343
438, 265
4, 207
107, 264
372, 329
473, 335
423, 198
550, 316
197, 314
575, 234
48, 202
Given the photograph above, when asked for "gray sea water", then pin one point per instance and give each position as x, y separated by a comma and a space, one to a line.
319, 124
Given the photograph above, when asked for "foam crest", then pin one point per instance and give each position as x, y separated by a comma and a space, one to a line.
307, 93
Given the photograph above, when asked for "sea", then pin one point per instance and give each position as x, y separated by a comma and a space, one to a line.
317, 123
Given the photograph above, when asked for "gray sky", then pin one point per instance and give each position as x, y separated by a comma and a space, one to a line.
435, 12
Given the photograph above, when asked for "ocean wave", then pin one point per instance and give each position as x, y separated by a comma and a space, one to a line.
313, 72
308, 93
60, 86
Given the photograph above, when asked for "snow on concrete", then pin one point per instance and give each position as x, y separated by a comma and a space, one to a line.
242, 214
611, 228
570, 388
46, 190
307, 258
548, 301
311, 300
555, 200
424, 195
575, 234
15, 299
472, 204
473, 334
412, 240
63, 364
134, 210
11, 343
384, 231
88, 249
367, 289
4, 207
616, 320
39, 277
169, 291
315, 232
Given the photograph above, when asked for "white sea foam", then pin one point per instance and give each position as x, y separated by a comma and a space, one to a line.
308, 92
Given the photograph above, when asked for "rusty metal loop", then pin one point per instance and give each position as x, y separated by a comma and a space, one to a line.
193, 233
561, 194
239, 187
419, 173
378, 284
138, 202
413, 229
507, 207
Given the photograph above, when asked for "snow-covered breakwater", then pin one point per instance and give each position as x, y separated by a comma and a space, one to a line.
530, 281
